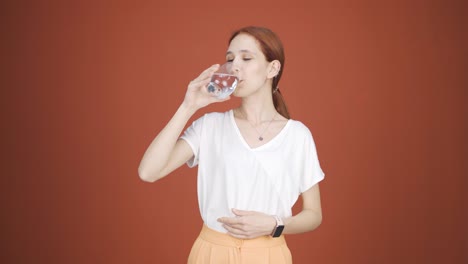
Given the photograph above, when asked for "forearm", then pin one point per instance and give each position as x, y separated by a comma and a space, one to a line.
307, 220
159, 151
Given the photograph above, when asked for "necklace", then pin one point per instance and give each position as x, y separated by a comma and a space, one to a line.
260, 137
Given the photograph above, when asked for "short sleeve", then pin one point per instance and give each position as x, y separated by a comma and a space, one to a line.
311, 172
192, 135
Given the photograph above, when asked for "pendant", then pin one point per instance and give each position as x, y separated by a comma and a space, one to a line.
260, 138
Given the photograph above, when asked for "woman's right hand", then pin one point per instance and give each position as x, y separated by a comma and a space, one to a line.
197, 95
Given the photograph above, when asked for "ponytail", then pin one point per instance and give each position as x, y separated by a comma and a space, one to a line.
278, 99
280, 104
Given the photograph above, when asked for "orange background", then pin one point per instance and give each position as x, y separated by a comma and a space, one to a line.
87, 85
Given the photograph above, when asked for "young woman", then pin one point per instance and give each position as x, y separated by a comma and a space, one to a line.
253, 161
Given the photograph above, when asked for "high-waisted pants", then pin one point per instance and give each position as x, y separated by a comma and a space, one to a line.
213, 247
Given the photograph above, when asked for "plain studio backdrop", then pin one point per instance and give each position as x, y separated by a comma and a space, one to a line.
86, 86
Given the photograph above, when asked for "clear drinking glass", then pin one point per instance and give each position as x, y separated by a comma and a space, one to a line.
223, 82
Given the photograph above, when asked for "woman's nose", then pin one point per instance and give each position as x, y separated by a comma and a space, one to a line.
235, 66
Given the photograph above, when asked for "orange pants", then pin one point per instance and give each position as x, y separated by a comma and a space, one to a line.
214, 247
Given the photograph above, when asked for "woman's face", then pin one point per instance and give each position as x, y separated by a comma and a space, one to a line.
249, 65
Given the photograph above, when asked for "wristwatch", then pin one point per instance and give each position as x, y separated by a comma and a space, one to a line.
278, 228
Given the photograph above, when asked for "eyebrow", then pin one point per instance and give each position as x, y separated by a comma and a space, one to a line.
242, 51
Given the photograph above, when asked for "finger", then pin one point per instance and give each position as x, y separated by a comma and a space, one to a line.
199, 81
230, 220
242, 235
235, 231
241, 212
234, 222
237, 226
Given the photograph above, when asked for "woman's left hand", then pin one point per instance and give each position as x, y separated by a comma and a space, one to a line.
248, 224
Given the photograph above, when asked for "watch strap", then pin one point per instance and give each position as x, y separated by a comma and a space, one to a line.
278, 230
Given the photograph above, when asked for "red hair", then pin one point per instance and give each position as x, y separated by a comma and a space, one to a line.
272, 48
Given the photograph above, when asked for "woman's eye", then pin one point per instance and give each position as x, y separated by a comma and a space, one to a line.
247, 59
229, 60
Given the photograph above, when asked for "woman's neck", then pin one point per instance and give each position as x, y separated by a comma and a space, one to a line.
256, 109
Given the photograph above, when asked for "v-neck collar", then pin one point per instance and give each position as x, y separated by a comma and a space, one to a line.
244, 142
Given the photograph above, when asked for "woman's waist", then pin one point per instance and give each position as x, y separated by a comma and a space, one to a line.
225, 239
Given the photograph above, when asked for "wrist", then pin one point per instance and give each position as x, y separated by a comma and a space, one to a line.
187, 109
278, 228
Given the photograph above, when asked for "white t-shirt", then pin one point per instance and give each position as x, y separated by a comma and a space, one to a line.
231, 174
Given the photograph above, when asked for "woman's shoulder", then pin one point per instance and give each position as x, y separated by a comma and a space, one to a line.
298, 126
299, 130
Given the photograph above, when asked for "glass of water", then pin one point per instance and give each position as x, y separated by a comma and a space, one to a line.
223, 82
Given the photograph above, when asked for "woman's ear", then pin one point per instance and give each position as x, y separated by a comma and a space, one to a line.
274, 68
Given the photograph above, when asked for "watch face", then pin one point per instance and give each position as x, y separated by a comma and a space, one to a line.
278, 231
